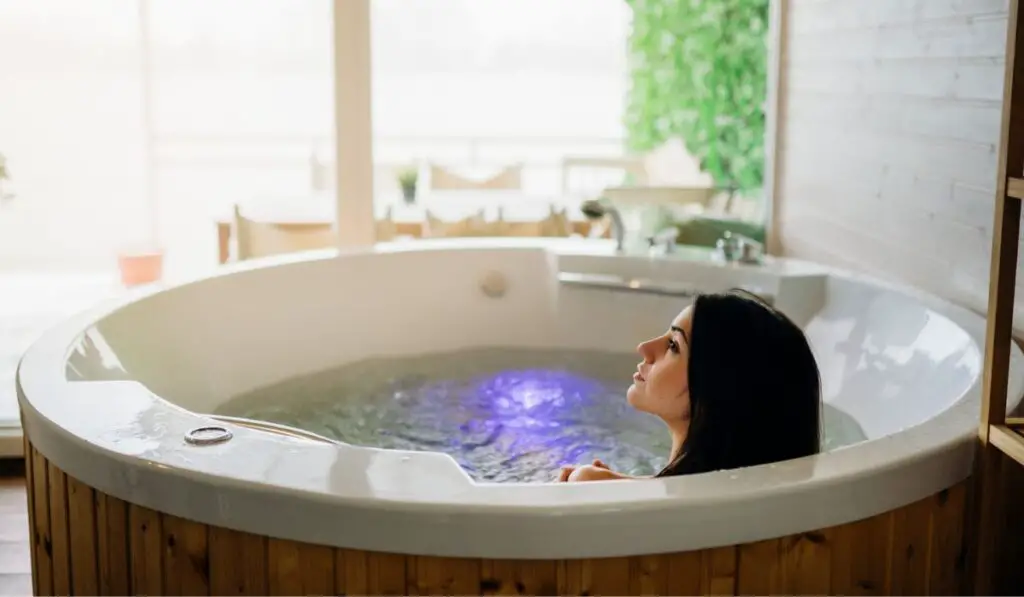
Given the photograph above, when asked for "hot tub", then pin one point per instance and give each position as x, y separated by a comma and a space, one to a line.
129, 493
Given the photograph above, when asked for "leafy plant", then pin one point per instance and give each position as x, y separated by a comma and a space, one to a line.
699, 72
407, 178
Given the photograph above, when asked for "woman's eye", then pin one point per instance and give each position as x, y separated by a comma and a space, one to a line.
673, 346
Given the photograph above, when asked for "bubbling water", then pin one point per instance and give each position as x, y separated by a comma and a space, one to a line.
505, 415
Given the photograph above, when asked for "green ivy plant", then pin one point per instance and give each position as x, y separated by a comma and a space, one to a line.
699, 72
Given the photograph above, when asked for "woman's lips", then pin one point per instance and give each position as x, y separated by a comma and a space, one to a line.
637, 377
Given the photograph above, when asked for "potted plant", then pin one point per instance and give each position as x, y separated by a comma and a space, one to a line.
142, 262
407, 179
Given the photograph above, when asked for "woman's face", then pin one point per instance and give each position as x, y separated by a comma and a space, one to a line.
661, 383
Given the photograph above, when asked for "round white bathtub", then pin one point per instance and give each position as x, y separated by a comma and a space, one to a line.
109, 397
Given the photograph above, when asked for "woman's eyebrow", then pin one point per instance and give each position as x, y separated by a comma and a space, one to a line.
675, 328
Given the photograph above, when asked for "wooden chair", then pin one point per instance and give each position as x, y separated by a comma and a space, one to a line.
255, 239
556, 224
593, 174
473, 225
667, 175
387, 228
509, 178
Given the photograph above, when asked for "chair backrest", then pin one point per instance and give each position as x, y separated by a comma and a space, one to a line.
387, 228
262, 239
668, 165
255, 239
473, 225
594, 174
555, 224
509, 178
672, 165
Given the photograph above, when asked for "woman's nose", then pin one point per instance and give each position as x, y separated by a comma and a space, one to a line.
644, 349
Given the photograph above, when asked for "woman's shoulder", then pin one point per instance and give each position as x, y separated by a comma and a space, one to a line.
590, 472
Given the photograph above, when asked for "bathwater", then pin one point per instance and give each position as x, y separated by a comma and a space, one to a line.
505, 415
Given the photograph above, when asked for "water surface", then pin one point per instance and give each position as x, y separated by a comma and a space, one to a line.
505, 415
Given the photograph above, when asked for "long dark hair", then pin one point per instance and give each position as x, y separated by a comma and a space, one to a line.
755, 390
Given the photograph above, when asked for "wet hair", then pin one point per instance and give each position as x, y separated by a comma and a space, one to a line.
755, 389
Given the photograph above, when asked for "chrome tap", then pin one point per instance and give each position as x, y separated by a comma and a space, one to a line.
595, 209
738, 248
664, 238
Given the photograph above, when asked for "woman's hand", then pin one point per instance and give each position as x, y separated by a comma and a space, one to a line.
586, 472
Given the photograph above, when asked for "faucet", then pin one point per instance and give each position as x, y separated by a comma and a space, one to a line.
595, 209
740, 248
664, 238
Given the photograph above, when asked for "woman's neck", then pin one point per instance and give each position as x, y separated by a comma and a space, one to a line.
678, 430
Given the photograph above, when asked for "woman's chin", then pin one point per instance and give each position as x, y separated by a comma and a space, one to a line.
632, 395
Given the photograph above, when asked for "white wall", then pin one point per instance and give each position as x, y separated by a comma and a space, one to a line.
888, 138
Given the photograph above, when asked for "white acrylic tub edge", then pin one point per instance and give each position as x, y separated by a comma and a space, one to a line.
316, 494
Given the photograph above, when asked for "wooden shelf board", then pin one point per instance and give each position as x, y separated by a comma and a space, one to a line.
1008, 441
1015, 188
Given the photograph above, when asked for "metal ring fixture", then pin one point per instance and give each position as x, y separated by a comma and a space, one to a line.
208, 435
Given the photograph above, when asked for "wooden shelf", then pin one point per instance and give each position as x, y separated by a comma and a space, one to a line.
1008, 440
1015, 188
997, 432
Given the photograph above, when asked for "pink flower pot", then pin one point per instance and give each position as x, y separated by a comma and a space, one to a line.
141, 267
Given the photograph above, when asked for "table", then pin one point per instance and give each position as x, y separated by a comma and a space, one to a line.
299, 213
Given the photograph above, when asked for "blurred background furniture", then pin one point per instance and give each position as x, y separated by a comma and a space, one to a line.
665, 187
275, 225
255, 238
444, 179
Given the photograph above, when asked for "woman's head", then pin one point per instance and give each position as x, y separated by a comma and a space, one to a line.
736, 380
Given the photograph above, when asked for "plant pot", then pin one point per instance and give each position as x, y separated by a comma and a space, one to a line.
140, 267
409, 193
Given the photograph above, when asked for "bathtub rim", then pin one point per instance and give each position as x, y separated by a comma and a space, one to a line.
940, 450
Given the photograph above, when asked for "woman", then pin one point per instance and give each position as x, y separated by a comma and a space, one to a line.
736, 383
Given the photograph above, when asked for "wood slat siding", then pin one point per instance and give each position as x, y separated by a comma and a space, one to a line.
889, 121
888, 139
86, 543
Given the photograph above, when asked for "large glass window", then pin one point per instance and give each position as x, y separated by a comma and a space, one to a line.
122, 119
481, 84
71, 128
